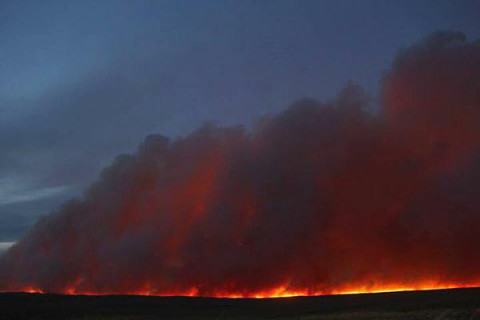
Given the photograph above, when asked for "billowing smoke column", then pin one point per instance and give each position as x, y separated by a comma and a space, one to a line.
322, 198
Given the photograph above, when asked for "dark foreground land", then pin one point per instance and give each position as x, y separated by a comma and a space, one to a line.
438, 305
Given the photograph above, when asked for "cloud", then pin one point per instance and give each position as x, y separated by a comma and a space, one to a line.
5, 245
14, 190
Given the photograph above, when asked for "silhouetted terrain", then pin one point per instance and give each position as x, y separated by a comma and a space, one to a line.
438, 304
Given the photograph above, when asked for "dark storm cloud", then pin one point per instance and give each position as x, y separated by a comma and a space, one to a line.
82, 125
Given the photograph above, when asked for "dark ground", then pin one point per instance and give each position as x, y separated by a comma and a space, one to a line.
437, 305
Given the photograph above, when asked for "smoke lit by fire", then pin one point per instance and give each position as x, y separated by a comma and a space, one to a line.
322, 198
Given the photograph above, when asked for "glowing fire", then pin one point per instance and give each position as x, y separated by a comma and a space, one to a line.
279, 292
323, 198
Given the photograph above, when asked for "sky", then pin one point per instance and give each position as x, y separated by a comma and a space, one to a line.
84, 81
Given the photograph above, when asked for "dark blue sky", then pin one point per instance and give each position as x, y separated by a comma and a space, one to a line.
83, 81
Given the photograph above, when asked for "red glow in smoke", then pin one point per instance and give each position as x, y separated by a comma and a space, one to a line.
324, 198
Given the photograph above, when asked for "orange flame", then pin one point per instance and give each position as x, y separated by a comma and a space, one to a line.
278, 292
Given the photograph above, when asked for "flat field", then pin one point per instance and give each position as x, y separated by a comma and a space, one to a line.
436, 305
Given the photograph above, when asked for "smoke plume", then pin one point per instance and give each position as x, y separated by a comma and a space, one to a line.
321, 198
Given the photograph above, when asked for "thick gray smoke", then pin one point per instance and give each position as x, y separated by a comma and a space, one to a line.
324, 197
